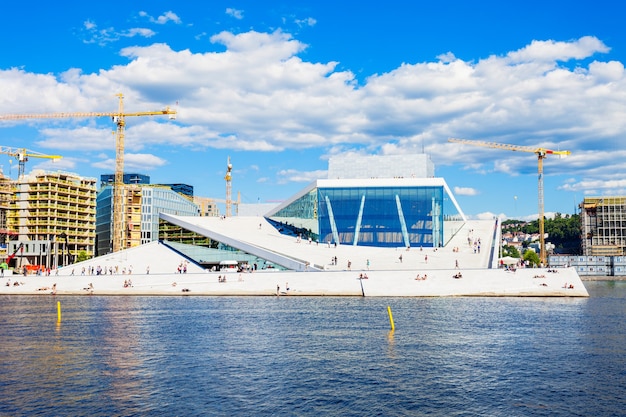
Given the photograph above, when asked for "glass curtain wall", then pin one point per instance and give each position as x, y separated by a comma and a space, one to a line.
299, 218
382, 217
104, 217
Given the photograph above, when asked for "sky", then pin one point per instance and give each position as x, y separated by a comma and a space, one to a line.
280, 86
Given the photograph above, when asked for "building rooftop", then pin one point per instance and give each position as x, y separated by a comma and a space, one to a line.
256, 236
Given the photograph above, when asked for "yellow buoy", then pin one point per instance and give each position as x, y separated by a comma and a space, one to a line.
393, 327
58, 312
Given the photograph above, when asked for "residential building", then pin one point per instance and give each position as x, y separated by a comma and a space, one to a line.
603, 238
6, 196
53, 214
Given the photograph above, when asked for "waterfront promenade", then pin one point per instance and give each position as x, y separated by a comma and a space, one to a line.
455, 270
438, 283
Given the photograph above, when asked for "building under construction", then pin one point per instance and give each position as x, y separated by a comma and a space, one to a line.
141, 205
53, 216
207, 206
603, 226
6, 196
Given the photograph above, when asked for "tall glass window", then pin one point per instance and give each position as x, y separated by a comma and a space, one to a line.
299, 217
387, 217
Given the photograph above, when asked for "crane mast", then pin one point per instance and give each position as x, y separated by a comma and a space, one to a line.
541, 153
229, 192
118, 117
118, 229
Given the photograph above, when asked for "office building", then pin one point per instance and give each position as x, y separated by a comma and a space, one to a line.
142, 205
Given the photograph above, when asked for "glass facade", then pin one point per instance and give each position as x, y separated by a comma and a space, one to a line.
381, 216
384, 216
109, 179
104, 218
161, 200
142, 213
299, 217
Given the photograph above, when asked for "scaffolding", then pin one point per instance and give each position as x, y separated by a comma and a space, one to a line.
603, 225
7, 190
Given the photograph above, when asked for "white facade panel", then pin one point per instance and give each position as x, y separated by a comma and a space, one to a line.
380, 166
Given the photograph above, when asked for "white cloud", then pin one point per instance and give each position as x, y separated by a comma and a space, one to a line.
143, 32
89, 25
132, 162
143, 161
465, 191
166, 17
486, 216
63, 164
237, 14
260, 94
86, 138
309, 21
92, 34
292, 175
550, 51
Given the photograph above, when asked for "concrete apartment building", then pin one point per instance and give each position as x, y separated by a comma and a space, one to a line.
6, 196
53, 216
48, 218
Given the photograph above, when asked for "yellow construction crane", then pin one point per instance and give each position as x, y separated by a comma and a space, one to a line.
118, 118
541, 153
22, 155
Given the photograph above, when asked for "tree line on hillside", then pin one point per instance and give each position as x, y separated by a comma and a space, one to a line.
564, 231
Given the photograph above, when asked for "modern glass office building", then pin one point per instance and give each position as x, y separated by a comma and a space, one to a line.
142, 205
135, 179
381, 212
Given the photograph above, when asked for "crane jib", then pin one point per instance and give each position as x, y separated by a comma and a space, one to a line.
117, 237
541, 154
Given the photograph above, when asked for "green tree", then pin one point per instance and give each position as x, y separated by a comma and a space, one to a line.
532, 258
563, 231
511, 251
82, 256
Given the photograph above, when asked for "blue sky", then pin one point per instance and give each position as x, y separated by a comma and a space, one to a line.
280, 86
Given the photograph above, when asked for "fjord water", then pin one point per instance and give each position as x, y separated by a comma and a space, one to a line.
304, 356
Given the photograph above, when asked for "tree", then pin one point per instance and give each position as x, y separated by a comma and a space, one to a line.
532, 258
82, 256
563, 231
511, 251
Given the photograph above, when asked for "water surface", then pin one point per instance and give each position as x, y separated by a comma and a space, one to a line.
305, 356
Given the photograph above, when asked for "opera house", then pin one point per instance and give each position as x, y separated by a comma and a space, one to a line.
377, 226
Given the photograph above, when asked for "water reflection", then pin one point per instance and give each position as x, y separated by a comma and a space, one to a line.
313, 356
